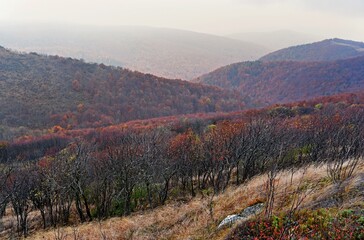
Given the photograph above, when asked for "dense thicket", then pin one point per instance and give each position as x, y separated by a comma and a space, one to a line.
327, 50
43, 91
266, 83
109, 173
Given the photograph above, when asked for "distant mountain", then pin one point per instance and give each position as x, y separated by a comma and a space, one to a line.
43, 91
280, 82
277, 39
164, 52
327, 50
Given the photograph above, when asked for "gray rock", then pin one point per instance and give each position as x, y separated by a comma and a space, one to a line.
229, 220
243, 216
252, 210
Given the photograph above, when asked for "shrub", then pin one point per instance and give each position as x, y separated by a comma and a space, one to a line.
318, 224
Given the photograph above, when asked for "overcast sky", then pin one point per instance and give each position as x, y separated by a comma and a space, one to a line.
329, 18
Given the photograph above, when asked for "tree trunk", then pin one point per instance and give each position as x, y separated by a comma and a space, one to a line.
88, 212
79, 208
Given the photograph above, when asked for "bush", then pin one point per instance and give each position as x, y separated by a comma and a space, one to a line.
318, 224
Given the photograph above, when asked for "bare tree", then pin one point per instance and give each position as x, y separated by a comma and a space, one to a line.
345, 147
19, 187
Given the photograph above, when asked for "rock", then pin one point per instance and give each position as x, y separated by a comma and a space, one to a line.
252, 210
229, 220
243, 216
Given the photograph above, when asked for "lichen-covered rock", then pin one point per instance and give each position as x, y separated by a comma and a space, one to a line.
252, 210
244, 215
229, 220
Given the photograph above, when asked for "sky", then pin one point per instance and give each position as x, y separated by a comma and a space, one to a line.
329, 18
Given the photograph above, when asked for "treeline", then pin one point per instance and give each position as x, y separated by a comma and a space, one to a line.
114, 174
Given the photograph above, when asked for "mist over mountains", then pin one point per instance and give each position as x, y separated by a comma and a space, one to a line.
164, 52
276, 40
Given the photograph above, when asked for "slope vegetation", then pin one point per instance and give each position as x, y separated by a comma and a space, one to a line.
277, 82
327, 50
191, 220
176, 184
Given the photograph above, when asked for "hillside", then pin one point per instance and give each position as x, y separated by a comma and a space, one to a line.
163, 52
327, 50
42, 91
179, 182
191, 220
35, 144
275, 40
266, 83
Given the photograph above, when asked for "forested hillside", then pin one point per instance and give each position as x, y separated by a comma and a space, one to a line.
66, 178
327, 50
43, 91
266, 83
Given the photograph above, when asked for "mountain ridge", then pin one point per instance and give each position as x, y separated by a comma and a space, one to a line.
281, 82
326, 50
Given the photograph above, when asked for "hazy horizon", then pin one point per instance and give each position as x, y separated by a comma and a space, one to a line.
335, 18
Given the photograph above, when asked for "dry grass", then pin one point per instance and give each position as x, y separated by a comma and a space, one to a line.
192, 220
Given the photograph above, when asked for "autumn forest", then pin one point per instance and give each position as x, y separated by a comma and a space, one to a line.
270, 148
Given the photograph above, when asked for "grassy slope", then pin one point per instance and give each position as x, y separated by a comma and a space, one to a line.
191, 219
